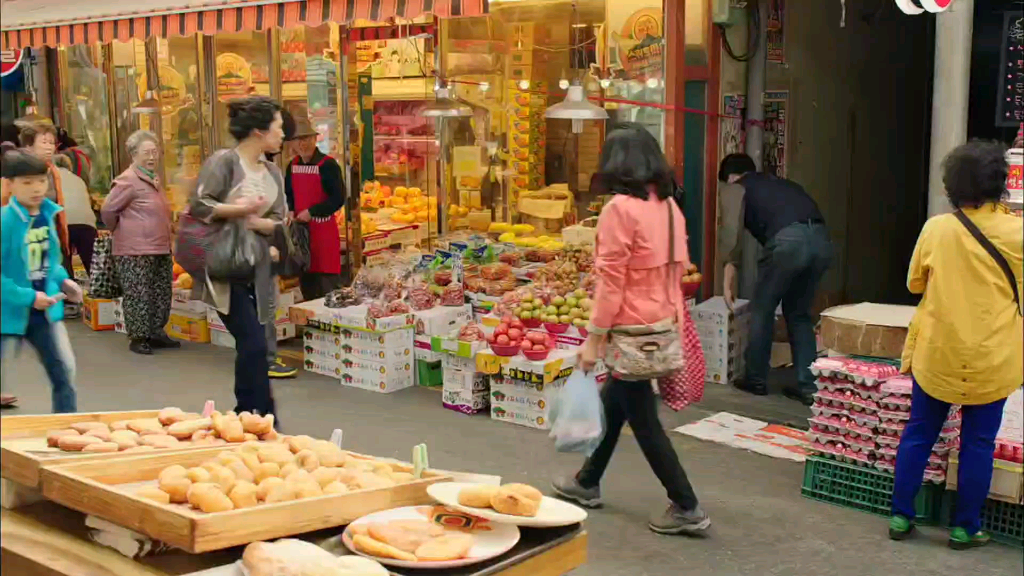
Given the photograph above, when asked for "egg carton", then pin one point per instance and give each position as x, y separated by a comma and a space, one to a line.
864, 405
859, 443
894, 402
826, 424
868, 392
821, 409
824, 437
893, 416
857, 430
857, 371
935, 476
898, 385
885, 466
833, 385
892, 427
938, 461
864, 419
887, 441
885, 453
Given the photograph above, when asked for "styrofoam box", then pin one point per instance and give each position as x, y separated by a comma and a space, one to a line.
221, 337
464, 402
442, 320
455, 379
523, 403
376, 382
395, 339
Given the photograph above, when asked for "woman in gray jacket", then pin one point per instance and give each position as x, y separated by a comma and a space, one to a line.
139, 215
241, 184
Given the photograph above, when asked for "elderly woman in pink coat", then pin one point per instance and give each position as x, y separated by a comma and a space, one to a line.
637, 285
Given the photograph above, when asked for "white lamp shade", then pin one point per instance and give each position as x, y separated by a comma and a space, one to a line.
445, 107
576, 107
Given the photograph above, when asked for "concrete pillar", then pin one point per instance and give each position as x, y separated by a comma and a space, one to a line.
953, 31
756, 71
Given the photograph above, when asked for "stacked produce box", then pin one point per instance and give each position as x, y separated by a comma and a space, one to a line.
860, 411
723, 336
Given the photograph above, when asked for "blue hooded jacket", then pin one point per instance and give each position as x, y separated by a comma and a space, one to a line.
16, 292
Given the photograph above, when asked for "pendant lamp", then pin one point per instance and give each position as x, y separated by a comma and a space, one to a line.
32, 115
577, 108
148, 105
444, 106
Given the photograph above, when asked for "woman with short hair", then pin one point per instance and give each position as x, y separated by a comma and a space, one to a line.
964, 343
139, 215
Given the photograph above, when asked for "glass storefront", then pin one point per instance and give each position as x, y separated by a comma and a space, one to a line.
178, 60
87, 110
241, 68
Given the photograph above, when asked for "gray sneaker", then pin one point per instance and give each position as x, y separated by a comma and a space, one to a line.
675, 520
567, 488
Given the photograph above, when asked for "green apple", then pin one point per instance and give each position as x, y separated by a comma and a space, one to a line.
572, 302
528, 297
558, 301
525, 315
579, 323
576, 313
586, 303
527, 306
580, 293
563, 310
552, 310
564, 319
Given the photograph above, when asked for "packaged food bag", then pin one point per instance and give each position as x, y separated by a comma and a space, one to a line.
577, 415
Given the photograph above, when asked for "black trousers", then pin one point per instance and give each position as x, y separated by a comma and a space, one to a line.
252, 382
636, 403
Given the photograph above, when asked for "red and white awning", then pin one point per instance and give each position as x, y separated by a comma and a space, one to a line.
38, 23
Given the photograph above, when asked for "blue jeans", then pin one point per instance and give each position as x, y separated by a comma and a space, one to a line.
252, 381
789, 271
54, 348
977, 442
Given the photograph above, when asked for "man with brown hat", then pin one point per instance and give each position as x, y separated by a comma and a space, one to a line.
315, 191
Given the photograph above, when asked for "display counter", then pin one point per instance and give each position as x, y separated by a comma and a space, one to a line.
46, 539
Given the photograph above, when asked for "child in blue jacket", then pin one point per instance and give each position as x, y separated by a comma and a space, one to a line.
34, 281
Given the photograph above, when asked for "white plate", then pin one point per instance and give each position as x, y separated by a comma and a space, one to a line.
552, 512
490, 540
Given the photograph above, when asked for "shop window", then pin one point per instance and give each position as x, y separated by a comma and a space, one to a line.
178, 60
696, 29
87, 111
309, 83
129, 70
241, 68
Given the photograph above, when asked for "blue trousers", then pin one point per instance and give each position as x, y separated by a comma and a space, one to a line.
789, 271
54, 349
977, 443
252, 381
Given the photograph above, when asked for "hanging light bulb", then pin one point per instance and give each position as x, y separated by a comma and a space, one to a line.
485, 86
149, 105
577, 108
652, 82
444, 106
563, 84
524, 84
605, 83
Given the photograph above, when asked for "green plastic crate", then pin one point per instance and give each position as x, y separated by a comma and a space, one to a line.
429, 374
864, 489
1002, 520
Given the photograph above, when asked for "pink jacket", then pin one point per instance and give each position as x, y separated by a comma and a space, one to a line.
139, 215
635, 284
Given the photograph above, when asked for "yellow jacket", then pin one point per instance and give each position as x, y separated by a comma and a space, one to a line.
966, 341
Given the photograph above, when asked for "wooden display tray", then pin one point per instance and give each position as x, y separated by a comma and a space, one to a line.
92, 487
23, 449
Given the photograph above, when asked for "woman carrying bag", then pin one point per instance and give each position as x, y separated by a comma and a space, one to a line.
637, 326
240, 199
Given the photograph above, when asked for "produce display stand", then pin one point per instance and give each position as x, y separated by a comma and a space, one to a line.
46, 539
105, 489
23, 449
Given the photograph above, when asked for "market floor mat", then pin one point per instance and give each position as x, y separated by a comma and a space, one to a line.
749, 434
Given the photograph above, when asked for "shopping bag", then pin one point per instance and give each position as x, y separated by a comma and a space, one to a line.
296, 261
233, 254
686, 386
577, 415
103, 281
192, 244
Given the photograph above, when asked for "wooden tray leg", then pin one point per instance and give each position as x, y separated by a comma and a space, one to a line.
14, 495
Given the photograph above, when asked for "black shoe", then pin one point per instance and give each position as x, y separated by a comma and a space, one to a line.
141, 347
751, 388
794, 393
163, 341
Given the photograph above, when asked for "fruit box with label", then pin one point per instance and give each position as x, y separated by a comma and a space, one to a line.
316, 315
423, 350
453, 362
464, 402
188, 326
558, 364
524, 403
441, 320
181, 300
392, 340
385, 355
322, 367
1007, 478
456, 347
98, 313
376, 382
390, 367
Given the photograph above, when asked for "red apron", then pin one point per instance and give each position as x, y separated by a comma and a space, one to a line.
324, 239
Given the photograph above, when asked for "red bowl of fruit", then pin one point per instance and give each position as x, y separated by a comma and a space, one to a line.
507, 350
537, 354
690, 289
532, 323
583, 331
556, 328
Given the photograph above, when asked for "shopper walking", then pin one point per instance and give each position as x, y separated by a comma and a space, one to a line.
80, 217
797, 253
315, 193
139, 215
965, 341
40, 140
637, 285
239, 184
33, 283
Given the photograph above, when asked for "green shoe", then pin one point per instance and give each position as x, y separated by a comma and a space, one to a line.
900, 528
960, 540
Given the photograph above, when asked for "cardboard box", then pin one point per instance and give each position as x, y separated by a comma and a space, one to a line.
558, 364
464, 391
181, 301
454, 347
1007, 479
723, 337
98, 313
221, 337
375, 382
442, 320
316, 315
522, 402
866, 329
188, 326
423, 351
464, 402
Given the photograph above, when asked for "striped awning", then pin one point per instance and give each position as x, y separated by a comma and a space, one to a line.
39, 23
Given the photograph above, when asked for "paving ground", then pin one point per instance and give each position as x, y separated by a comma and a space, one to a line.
761, 525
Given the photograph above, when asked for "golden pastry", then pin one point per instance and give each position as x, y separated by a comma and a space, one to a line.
372, 547
477, 495
453, 546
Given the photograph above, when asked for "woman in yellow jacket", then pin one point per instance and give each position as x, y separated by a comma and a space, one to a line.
966, 341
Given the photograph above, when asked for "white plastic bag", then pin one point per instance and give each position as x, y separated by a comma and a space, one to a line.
577, 415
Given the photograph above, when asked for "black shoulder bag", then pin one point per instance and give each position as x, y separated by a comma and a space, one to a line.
994, 252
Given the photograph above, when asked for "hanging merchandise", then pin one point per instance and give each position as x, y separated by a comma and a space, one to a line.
776, 35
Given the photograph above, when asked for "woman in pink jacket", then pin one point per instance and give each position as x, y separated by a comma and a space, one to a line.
139, 215
637, 285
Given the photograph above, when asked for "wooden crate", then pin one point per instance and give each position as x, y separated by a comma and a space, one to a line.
23, 449
97, 488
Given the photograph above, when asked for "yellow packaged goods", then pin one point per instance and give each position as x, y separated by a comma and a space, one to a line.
189, 327
547, 208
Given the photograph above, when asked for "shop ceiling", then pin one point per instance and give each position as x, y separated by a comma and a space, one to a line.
61, 23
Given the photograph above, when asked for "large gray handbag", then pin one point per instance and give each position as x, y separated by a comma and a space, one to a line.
233, 253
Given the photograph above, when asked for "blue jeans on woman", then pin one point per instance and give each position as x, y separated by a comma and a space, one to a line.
252, 382
977, 443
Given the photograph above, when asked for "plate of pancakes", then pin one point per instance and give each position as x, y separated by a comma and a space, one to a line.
428, 537
518, 504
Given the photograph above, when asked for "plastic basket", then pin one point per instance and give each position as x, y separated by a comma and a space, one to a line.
1003, 521
864, 489
429, 374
